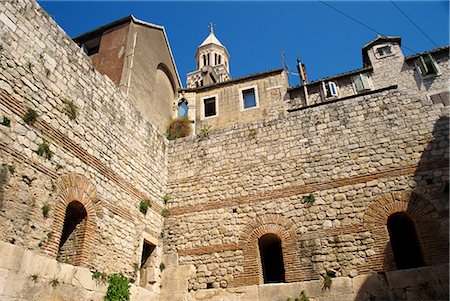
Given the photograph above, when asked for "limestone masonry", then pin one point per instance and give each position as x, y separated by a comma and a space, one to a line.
337, 187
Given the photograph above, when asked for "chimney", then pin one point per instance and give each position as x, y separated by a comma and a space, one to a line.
301, 68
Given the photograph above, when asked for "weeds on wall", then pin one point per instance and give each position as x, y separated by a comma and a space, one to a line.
30, 116
165, 212
303, 297
45, 210
10, 168
162, 266
44, 150
34, 278
161, 235
178, 128
54, 282
6, 121
70, 109
99, 276
118, 288
328, 280
204, 131
166, 199
309, 199
58, 167
143, 206
27, 180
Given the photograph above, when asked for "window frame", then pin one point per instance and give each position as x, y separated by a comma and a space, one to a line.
420, 61
380, 56
202, 107
241, 97
324, 90
361, 76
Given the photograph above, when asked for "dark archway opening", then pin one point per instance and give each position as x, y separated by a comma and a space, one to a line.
404, 241
73, 233
271, 258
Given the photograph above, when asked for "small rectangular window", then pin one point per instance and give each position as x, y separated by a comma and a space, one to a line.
384, 51
210, 106
427, 66
329, 89
361, 82
249, 98
442, 97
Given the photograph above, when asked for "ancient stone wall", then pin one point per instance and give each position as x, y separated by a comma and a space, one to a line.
385, 152
101, 152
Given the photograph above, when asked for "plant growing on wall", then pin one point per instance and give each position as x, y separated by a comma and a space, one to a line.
99, 276
44, 150
118, 288
178, 128
10, 168
34, 277
6, 121
166, 199
30, 116
204, 131
54, 282
165, 212
70, 109
143, 206
309, 199
45, 210
328, 280
162, 266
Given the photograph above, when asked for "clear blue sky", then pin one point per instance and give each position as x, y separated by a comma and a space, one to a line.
255, 33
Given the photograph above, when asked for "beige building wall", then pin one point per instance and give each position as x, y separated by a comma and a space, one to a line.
270, 93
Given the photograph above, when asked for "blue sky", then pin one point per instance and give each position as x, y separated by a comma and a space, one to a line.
255, 33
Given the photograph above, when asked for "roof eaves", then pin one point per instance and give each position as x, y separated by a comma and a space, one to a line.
102, 28
438, 49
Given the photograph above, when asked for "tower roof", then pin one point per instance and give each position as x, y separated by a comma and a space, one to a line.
211, 39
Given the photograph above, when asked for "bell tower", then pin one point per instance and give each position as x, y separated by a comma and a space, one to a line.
213, 63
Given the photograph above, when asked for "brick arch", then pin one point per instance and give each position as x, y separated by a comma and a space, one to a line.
420, 209
74, 187
248, 242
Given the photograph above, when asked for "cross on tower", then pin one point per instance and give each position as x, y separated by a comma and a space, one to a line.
211, 27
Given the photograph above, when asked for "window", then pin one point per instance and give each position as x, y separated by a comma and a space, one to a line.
147, 266
215, 59
209, 107
329, 89
427, 66
249, 98
204, 60
383, 51
182, 108
361, 82
220, 58
404, 241
271, 258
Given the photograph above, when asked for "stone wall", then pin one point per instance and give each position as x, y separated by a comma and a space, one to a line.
25, 275
364, 158
106, 156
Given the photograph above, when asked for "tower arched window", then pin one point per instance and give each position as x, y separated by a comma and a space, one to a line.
215, 59
404, 241
204, 60
271, 258
73, 235
182, 108
219, 59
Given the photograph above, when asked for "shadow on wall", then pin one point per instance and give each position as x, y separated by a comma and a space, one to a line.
416, 229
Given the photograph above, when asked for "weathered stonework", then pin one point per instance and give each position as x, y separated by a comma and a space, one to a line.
324, 175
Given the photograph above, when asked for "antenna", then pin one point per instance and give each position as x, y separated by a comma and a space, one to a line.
285, 66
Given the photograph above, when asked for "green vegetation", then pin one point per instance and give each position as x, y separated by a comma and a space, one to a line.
30, 116
165, 212
45, 210
58, 167
162, 266
143, 206
99, 276
166, 199
6, 121
204, 131
118, 288
309, 199
44, 150
328, 280
178, 128
10, 168
34, 277
70, 109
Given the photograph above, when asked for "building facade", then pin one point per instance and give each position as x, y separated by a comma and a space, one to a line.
338, 187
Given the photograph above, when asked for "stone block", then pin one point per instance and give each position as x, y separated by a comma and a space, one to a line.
170, 259
405, 278
83, 277
10, 256
142, 294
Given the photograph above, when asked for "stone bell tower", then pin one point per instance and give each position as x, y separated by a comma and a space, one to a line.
213, 63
